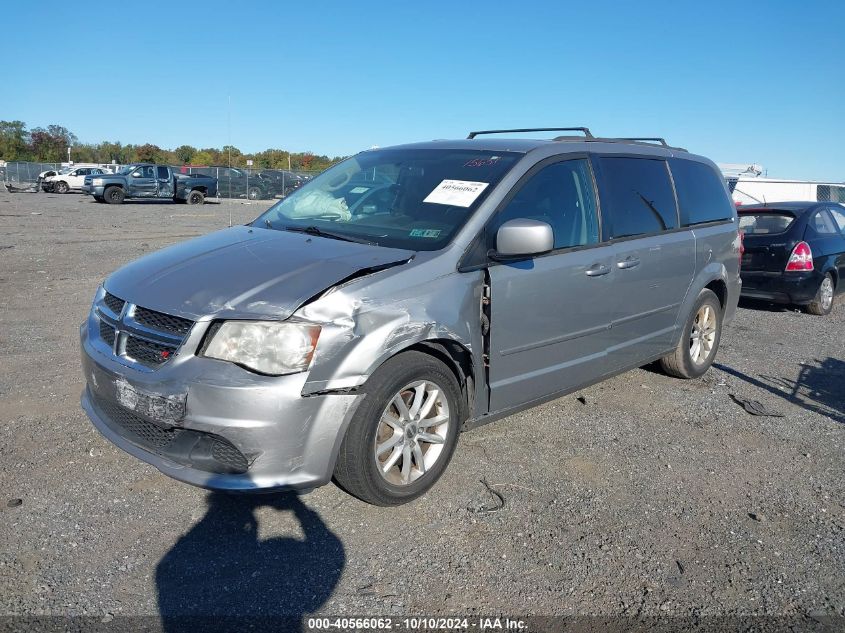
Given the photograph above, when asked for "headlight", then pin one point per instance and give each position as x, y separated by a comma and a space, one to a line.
268, 347
97, 182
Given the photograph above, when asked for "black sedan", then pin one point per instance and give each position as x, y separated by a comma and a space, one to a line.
794, 253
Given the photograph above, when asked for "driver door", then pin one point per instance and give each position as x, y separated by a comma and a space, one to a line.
143, 182
550, 314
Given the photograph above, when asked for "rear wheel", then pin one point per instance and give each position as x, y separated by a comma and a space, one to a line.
403, 434
61, 187
699, 339
254, 193
822, 303
114, 195
195, 197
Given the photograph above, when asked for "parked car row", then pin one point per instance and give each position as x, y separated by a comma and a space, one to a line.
259, 185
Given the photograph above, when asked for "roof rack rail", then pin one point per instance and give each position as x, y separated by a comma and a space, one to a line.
586, 131
649, 139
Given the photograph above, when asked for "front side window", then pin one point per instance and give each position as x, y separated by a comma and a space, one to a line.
701, 194
637, 196
560, 194
402, 198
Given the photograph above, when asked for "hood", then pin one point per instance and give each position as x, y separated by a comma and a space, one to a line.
245, 272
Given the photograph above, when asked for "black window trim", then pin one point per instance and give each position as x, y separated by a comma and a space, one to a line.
465, 266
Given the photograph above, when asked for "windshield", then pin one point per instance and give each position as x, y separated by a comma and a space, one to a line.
406, 198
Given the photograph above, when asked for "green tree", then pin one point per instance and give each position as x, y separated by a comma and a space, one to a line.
13, 140
148, 153
185, 154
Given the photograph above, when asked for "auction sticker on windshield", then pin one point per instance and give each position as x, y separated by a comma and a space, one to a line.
457, 193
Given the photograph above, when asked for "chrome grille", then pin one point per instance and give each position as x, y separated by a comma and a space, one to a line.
107, 333
140, 335
161, 321
148, 352
114, 304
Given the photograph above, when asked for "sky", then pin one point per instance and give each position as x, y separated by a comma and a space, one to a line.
739, 82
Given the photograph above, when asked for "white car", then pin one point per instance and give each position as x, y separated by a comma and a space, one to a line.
71, 178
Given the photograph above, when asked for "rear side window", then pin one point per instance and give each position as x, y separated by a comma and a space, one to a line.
637, 196
822, 224
701, 194
162, 172
765, 223
560, 194
839, 218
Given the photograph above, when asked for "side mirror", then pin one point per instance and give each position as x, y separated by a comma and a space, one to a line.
523, 238
136, 174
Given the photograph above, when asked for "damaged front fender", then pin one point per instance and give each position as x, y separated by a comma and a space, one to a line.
360, 332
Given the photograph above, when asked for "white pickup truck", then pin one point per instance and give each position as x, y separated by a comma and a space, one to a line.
71, 178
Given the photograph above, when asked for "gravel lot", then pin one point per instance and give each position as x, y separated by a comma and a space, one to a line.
653, 496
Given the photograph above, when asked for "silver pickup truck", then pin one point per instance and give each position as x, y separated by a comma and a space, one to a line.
142, 180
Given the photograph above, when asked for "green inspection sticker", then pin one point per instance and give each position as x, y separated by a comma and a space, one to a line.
431, 233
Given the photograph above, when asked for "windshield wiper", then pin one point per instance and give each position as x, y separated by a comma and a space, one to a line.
313, 230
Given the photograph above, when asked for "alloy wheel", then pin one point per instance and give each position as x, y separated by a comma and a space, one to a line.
703, 334
411, 432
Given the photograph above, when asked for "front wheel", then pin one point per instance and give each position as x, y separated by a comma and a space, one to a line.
61, 187
822, 303
404, 433
254, 193
699, 339
114, 195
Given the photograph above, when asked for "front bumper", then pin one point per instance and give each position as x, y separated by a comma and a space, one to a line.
781, 287
211, 423
91, 190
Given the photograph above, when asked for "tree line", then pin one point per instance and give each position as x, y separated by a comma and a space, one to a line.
49, 145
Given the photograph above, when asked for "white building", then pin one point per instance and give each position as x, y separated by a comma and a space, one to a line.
749, 186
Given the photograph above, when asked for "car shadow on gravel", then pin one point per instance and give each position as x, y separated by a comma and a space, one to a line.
221, 576
818, 387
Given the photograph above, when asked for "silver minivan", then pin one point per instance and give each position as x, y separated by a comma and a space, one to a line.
355, 328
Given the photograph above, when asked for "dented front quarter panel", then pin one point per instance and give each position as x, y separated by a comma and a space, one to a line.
369, 320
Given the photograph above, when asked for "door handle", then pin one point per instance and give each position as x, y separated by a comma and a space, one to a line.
628, 262
597, 270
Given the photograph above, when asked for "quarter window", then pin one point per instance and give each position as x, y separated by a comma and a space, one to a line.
823, 224
560, 194
839, 218
701, 192
637, 196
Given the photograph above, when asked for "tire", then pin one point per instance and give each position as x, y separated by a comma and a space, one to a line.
114, 195
822, 303
254, 193
681, 363
359, 469
60, 187
195, 197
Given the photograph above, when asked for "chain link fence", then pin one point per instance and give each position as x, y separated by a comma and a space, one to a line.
232, 182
